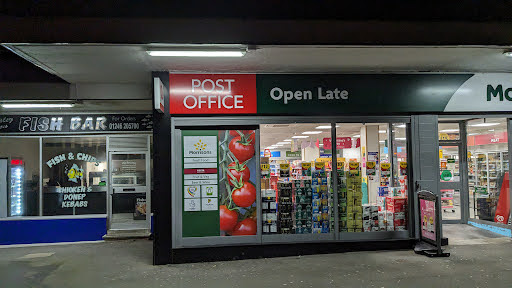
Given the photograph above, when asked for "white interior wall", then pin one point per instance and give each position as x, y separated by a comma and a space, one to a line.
372, 145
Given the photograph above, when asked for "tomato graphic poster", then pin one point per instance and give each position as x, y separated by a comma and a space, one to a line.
237, 182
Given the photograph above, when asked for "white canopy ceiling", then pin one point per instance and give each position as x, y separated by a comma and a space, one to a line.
131, 64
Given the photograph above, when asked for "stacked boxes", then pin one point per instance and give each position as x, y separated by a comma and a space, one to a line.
370, 218
396, 213
284, 208
303, 206
342, 200
354, 202
269, 211
320, 202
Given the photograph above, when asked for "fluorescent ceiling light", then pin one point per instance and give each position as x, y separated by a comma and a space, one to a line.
356, 136
400, 139
284, 143
287, 140
382, 141
321, 144
382, 131
471, 134
491, 130
487, 124
277, 145
300, 136
450, 130
34, 105
312, 132
196, 53
325, 126
400, 126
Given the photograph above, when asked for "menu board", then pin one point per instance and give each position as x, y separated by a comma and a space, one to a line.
219, 183
428, 219
200, 184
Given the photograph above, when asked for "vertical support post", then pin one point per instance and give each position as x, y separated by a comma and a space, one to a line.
334, 175
162, 226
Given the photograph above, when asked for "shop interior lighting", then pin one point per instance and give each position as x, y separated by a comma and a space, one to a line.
472, 134
382, 141
400, 126
356, 136
300, 136
182, 52
382, 131
400, 139
321, 144
312, 132
284, 143
325, 126
486, 124
37, 105
449, 130
287, 140
277, 145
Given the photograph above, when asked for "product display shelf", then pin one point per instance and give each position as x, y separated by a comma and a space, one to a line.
447, 201
484, 182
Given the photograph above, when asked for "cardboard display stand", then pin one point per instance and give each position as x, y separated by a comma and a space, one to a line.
430, 225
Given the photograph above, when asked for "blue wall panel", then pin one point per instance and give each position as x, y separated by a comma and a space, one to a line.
52, 230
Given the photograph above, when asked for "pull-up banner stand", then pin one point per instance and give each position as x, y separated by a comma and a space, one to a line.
430, 225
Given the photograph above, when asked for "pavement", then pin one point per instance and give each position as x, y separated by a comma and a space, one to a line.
127, 263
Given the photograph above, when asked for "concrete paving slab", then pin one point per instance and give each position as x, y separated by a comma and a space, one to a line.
127, 263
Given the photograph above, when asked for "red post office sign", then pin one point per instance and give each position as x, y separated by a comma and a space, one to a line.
212, 93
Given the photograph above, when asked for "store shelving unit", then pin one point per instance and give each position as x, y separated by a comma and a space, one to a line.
485, 171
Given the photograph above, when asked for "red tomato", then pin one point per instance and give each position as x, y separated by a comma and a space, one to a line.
238, 171
245, 195
245, 227
235, 133
242, 148
228, 218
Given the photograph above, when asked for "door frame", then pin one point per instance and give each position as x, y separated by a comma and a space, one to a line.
462, 185
110, 190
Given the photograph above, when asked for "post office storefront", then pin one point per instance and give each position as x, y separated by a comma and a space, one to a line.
68, 178
255, 171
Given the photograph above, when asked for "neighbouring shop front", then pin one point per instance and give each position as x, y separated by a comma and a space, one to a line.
270, 162
474, 171
67, 178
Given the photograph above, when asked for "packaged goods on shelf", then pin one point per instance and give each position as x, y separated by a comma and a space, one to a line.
396, 204
303, 206
284, 208
269, 211
383, 191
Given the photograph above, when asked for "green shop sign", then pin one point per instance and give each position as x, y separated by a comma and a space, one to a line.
296, 154
355, 93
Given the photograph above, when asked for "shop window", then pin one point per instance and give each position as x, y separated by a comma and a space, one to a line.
448, 131
74, 175
488, 166
19, 166
372, 177
296, 189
